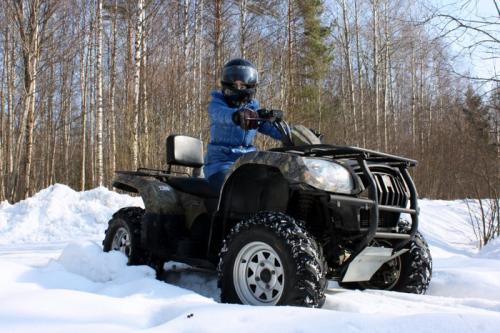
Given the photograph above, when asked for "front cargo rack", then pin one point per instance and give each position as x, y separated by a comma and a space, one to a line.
340, 152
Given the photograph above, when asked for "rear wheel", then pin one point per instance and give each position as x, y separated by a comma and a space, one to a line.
123, 234
270, 259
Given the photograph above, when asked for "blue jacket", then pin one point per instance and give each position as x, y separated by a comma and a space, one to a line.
228, 141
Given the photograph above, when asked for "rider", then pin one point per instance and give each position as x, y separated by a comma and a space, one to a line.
234, 115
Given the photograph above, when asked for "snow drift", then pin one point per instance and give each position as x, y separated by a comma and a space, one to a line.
58, 213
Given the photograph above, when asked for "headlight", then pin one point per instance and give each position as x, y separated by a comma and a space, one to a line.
329, 176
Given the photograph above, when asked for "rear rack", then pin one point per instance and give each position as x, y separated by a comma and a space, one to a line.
339, 152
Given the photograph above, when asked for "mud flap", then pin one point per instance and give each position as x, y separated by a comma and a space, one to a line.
368, 262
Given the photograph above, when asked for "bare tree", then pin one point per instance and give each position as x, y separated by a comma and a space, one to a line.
137, 80
350, 80
99, 113
30, 24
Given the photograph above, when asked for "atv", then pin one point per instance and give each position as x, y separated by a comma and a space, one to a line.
285, 221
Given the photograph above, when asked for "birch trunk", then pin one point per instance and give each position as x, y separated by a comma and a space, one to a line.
67, 138
289, 98
386, 73
413, 98
10, 102
360, 79
83, 107
99, 115
144, 97
112, 83
137, 80
50, 127
218, 41
2, 133
30, 39
64, 120
421, 104
350, 83
199, 50
375, 70
243, 27
185, 76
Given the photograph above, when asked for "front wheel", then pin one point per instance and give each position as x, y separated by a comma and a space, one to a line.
410, 273
270, 259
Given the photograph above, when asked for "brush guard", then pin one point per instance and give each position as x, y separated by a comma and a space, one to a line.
363, 156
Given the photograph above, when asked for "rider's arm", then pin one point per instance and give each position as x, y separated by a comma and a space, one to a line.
268, 129
219, 112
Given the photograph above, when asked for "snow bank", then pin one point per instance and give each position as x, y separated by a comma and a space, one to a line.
59, 213
491, 250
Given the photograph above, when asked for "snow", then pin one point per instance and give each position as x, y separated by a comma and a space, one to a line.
58, 214
55, 278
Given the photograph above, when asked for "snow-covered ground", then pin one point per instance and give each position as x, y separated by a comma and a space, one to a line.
55, 278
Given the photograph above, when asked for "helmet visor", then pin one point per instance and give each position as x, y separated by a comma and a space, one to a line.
246, 74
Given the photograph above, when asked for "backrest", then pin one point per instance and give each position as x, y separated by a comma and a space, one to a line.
184, 150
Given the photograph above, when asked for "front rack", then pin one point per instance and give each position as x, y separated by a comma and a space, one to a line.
339, 152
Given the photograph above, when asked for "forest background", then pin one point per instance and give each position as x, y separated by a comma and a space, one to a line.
92, 86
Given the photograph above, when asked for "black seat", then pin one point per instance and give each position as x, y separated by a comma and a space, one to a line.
188, 152
195, 186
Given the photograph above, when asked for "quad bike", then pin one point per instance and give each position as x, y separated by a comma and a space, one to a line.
285, 222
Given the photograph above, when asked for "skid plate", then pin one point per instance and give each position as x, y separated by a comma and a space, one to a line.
368, 261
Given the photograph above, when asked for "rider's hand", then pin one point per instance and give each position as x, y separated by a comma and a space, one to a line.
246, 118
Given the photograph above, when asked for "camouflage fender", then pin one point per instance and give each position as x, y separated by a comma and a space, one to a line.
292, 167
158, 197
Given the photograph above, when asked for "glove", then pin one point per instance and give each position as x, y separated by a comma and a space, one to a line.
246, 118
270, 114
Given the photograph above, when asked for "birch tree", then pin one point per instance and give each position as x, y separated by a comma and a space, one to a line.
137, 81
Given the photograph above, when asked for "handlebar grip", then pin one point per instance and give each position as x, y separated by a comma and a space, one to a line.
277, 114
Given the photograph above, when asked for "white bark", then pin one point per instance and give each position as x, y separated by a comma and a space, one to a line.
2, 133
413, 98
375, 70
83, 110
112, 122
137, 80
199, 55
386, 73
99, 116
185, 76
360, 79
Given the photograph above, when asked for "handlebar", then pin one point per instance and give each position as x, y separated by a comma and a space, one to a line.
275, 117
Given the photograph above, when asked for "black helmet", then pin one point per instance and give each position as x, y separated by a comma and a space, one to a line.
234, 73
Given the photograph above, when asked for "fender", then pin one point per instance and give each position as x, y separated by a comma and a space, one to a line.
159, 198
